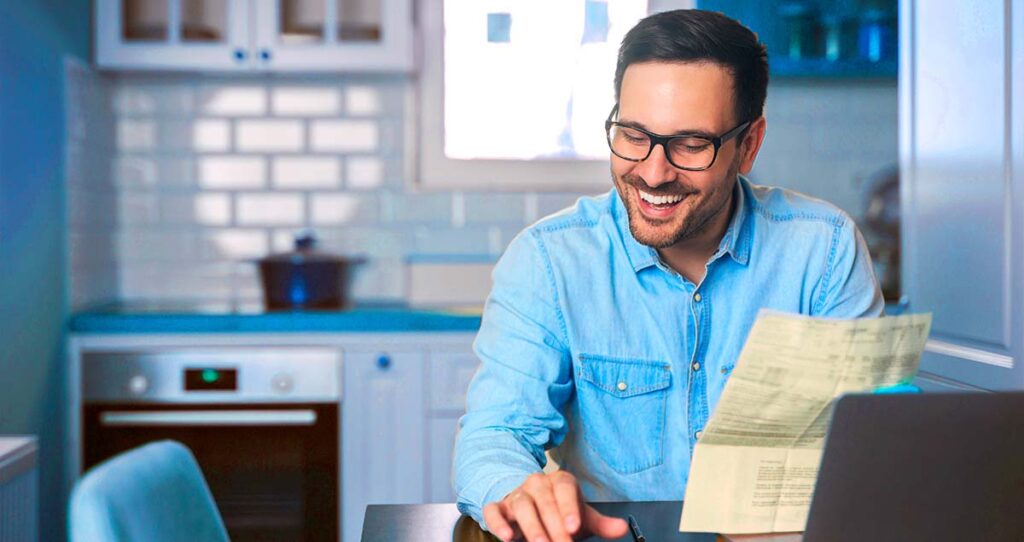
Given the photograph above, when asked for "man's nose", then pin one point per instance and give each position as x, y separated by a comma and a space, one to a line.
656, 169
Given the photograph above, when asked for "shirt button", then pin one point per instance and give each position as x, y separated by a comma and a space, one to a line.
725, 370
696, 366
622, 386
698, 434
696, 297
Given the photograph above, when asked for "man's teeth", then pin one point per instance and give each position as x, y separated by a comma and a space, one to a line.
659, 200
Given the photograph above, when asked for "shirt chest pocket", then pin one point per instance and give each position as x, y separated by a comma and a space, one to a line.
622, 409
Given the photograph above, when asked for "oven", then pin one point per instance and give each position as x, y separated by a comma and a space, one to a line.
263, 423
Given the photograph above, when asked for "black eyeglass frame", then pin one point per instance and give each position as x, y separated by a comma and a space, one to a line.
658, 139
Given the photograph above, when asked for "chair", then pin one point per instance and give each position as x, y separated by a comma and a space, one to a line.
154, 493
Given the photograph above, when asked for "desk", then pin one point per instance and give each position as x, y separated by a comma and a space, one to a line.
442, 523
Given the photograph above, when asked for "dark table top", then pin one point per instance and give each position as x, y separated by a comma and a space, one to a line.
659, 522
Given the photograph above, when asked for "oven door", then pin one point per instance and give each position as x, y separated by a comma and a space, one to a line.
272, 468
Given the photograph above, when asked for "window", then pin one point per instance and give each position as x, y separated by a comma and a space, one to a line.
514, 93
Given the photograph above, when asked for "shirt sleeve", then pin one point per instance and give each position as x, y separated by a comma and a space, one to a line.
515, 400
849, 287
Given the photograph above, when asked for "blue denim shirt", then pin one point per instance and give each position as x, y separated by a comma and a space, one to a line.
593, 348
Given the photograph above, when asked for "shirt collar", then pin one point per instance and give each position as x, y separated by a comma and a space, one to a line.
735, 242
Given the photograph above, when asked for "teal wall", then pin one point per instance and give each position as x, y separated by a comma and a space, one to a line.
35, 38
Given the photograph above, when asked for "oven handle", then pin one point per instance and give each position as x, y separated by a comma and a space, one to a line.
207, 417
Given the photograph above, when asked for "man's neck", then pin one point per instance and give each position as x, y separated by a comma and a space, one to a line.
689, 257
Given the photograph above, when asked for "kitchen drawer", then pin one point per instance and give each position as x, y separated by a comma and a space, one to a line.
450, 373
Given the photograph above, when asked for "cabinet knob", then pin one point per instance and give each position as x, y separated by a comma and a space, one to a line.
384, 361
265, 54
240, 54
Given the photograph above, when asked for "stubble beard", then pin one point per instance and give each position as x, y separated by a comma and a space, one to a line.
696, 221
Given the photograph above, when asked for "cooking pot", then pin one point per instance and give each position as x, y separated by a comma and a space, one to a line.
306, 278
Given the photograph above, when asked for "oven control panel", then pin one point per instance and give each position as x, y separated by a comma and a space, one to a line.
228, 374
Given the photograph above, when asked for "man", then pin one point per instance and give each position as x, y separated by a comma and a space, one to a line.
613, 326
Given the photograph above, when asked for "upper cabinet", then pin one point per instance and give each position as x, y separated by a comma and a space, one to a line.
255, 35
821, 38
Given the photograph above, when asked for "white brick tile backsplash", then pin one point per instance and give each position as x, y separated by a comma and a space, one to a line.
233, 244
311, 101
269, 135
155, 245
495, 208
362, 101
309, 172
435, 208
211, 135
136, 208
338, 209
232, 172
136, 135
165, 98
364, 172
345, 135
203, 209
269, 209
135, 171
233, 100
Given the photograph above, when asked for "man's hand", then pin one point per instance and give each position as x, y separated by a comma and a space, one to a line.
549, 508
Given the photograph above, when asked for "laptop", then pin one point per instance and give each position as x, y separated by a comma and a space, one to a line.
929, 467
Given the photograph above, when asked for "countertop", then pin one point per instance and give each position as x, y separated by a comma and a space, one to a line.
658, 520
17, 455
183, 317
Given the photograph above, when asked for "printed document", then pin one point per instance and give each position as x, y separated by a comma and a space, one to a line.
755, 465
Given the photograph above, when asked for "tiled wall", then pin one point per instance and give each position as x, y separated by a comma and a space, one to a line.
206, 174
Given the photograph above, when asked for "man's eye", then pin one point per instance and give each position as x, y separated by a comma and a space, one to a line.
690, 145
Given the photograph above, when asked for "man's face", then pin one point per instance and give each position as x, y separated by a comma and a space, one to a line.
671, 98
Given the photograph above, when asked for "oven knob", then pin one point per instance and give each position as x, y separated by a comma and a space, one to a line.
283, 383
138, 384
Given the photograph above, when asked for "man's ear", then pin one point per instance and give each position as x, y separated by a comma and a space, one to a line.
751, 144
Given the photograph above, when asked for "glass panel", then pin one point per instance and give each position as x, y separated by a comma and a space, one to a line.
302, 21
359, 20
496, 54
144, 20
204, 20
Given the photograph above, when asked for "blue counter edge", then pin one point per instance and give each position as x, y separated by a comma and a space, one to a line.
355, 321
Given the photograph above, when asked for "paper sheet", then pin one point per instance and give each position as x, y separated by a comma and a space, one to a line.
755, 465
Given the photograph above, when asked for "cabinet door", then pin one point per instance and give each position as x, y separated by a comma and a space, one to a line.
442, 447
173, 34
350, 35
963, 176
383, 435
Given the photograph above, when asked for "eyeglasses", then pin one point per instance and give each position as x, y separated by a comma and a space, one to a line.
691, 152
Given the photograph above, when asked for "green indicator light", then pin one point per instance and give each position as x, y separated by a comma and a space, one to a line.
210, 376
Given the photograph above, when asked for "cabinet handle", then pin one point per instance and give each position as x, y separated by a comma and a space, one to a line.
384, 361
240, 54
265, 54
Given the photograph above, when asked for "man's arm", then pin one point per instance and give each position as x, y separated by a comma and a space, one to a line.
848, 287
514, 403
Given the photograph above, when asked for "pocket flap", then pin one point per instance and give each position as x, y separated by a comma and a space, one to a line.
624, 377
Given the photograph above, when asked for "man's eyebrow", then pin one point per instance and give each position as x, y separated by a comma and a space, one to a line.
701, 133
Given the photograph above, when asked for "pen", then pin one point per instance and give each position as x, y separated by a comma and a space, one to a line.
635, 528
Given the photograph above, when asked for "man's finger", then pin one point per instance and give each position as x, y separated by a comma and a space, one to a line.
603, 526
496, 522
550, 514
567, 495
524, 513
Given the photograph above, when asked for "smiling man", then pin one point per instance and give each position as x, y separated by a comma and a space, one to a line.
613, 326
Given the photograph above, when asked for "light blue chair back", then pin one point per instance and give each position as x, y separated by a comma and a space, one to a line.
154, 493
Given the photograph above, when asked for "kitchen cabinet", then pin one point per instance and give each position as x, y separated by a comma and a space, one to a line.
821, 38
962, 172
255, 35
402, 391
451, 370
383, 432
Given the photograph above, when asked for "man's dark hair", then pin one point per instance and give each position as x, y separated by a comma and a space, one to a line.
691, 35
